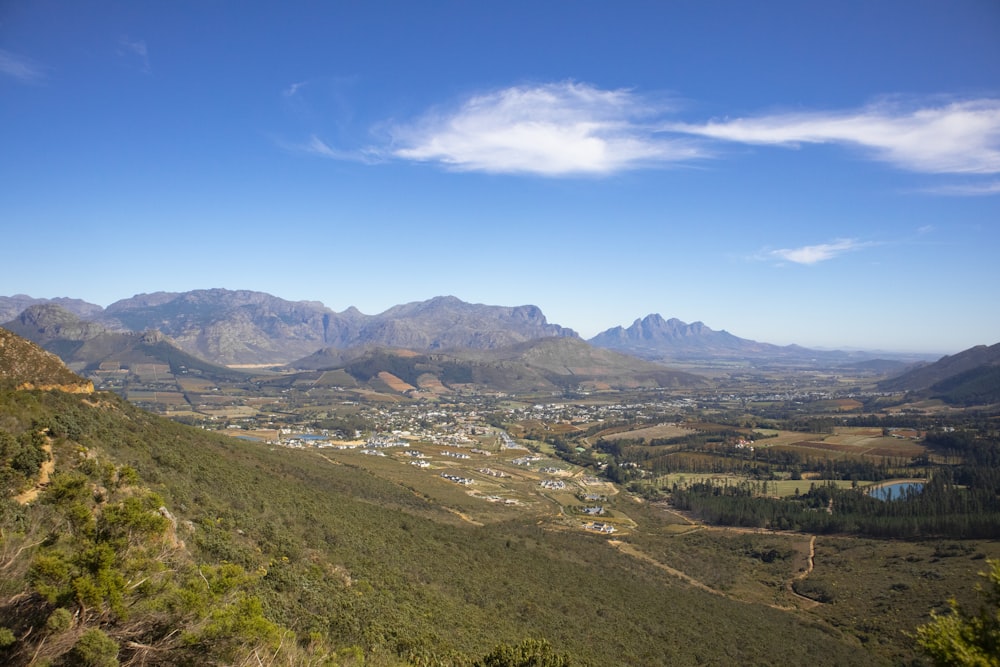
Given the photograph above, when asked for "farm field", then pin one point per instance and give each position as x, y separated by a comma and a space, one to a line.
660, 431
844, 442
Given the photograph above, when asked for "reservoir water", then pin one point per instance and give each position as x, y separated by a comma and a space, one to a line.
896, 491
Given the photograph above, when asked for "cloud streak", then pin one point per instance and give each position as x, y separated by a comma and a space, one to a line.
20, 67
575, 129
961, 137
137, 48
318, 147
558, 129
966, 189
814, 254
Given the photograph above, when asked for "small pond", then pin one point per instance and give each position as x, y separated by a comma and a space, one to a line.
896, 491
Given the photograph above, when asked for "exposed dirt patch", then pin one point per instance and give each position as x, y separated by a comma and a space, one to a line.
48, 467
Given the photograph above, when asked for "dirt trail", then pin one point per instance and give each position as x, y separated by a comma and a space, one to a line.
630, 549
808, 603
48, 467
691, 523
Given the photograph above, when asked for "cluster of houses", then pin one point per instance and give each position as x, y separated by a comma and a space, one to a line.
458, 479
553, 484
455, 455
384, 441
526, 460
600, 527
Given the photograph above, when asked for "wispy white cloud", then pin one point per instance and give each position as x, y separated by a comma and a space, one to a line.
959, 137
136, 48
553, 129
966, 189
570, 129
20, 67
813, 254
318, 147
293, 89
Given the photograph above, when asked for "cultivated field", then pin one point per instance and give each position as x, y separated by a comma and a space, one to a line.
846, 442
660, 431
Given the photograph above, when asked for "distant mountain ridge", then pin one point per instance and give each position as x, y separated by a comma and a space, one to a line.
12, 306
243, 327
970, 377
653, 337
85, 346
235, 327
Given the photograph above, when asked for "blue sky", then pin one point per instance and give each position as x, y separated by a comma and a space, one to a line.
826, 174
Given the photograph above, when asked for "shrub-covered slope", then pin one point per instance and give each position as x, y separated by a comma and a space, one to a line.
181, 546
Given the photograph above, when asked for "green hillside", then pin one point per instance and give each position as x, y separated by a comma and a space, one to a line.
288, 550
547, 364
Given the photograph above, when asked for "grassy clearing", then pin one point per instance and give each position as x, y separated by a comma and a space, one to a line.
168, 398
651, 433
195, 385
779, 488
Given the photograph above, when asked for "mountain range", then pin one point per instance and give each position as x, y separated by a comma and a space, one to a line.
243, 327
240, 327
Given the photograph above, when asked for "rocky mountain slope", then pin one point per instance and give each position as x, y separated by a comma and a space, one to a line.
545, 364
24, 365
242, 327
12, 306
653, 337
969, 377
944, 368
86, 346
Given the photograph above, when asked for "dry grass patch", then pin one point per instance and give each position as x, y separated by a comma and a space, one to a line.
651, 433
428, 382
197, 385
164, 397
395, 383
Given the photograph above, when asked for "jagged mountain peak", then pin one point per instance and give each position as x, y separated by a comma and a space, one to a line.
246, 327
654, 337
